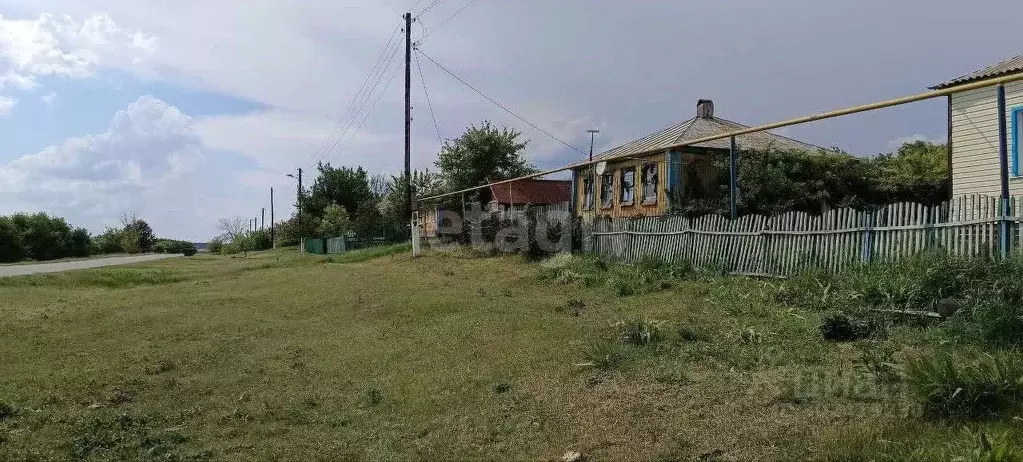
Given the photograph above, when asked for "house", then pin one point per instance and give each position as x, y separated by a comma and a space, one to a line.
973, 132
639, 176
517, 194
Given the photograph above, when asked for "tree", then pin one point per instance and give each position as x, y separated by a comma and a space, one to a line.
79, 243
379, 184
44, 237
395, 205
481, 155
12, 247
335, 222
138, 230
344, 186
108, 242
232, 228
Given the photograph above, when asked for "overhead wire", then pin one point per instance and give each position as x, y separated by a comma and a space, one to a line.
428, 8
498, 104
375, 74
426, 92
426, 33
353, 128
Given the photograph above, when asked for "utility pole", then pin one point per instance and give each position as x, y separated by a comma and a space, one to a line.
593, 173
408, 116
300, 201
273, 240
262, 222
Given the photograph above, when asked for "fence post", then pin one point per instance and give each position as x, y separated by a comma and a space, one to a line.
867, 237
1004, 225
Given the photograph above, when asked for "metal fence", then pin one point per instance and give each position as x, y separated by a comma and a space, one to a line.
794, 242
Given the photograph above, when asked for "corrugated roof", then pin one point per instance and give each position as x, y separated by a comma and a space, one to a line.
702, 127
1009, 66
537, 192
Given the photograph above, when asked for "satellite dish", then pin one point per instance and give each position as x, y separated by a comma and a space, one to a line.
601, 167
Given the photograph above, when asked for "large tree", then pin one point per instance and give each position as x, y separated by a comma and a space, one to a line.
345, 186
481, 155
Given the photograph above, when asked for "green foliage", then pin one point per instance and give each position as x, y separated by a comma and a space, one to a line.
125, 437
774, 182
41, 237
647, 275
216, 245
840, 327
131, 240
172, 246
111, 278
640, 332
335, 222
986, 386
481, 155
344, 186
878, 360
604, 355
424, 184
140, 235
997, 448
108, 242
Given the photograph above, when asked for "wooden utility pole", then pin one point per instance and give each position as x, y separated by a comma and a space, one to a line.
262, 219
408, 114
300, 202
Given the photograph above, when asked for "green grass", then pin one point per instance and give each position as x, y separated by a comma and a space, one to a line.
280, 355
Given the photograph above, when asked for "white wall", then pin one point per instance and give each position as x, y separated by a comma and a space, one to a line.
975, 166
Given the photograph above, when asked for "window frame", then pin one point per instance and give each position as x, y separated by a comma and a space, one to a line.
621, 188
650, 166
1017, 127
609, 190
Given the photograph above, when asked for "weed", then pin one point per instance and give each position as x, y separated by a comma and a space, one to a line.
792, 393
160, 366
124, 437
604, 356
840, 327
374, 396
998, 448
693, 334
501, 387
640, 332
878, 360
984, 387
7, 411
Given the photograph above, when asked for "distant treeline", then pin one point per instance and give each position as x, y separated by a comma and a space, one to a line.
42, 237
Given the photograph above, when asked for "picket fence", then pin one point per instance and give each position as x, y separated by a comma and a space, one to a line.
793, 242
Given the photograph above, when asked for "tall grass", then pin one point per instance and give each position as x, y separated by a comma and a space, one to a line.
987, 386
647, 275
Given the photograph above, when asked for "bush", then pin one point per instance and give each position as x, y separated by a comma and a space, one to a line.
108, 242
216, 245
640, 332
984, 387
172, 246
839, 327
12, 247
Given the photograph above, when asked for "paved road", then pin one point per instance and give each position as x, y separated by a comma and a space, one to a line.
20, 270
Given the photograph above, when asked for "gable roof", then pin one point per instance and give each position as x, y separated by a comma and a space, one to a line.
1008, 66
702, 127
532, 191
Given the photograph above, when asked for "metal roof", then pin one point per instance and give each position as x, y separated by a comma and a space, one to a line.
1009, 66
702, 127
532, 191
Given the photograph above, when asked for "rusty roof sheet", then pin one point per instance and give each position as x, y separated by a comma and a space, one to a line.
1008, 66
537, 192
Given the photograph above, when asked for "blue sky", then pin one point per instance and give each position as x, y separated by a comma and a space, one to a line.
187, 112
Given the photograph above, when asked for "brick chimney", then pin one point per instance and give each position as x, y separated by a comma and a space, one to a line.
705, 108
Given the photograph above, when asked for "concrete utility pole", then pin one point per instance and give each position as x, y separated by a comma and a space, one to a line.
408, 116
299, 198
273, 240
262, 222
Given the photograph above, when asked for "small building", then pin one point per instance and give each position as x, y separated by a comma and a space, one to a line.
516, 195
639, 177
974, 160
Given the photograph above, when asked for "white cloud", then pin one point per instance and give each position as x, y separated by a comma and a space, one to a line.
49, 99
6, 104
62, 46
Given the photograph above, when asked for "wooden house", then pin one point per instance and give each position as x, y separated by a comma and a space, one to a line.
973, 132
639, 176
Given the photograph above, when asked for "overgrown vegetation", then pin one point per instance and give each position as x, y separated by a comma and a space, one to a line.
984, 386
775, 182
41, 237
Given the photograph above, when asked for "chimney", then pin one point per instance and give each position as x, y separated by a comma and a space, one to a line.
705, 108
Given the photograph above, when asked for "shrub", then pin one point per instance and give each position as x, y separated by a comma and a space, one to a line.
839, 327
878, 360
216, 245
12, 246
640, 332
604, 355
108, 242
984, 387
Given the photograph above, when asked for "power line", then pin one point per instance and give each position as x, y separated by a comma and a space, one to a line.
369, 112
347, 114
492, 100
449, 18
428, 8
428, 103
366, 97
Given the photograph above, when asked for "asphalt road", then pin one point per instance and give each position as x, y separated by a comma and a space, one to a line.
20, 270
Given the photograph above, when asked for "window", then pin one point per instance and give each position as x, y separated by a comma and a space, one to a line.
606, 189
628, 186
649, 184
1017, 138
587, 193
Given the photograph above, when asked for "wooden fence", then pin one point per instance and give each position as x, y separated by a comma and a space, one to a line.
794, 242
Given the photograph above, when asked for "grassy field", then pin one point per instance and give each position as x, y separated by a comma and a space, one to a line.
377, 356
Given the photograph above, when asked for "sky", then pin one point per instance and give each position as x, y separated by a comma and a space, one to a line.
190, 111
